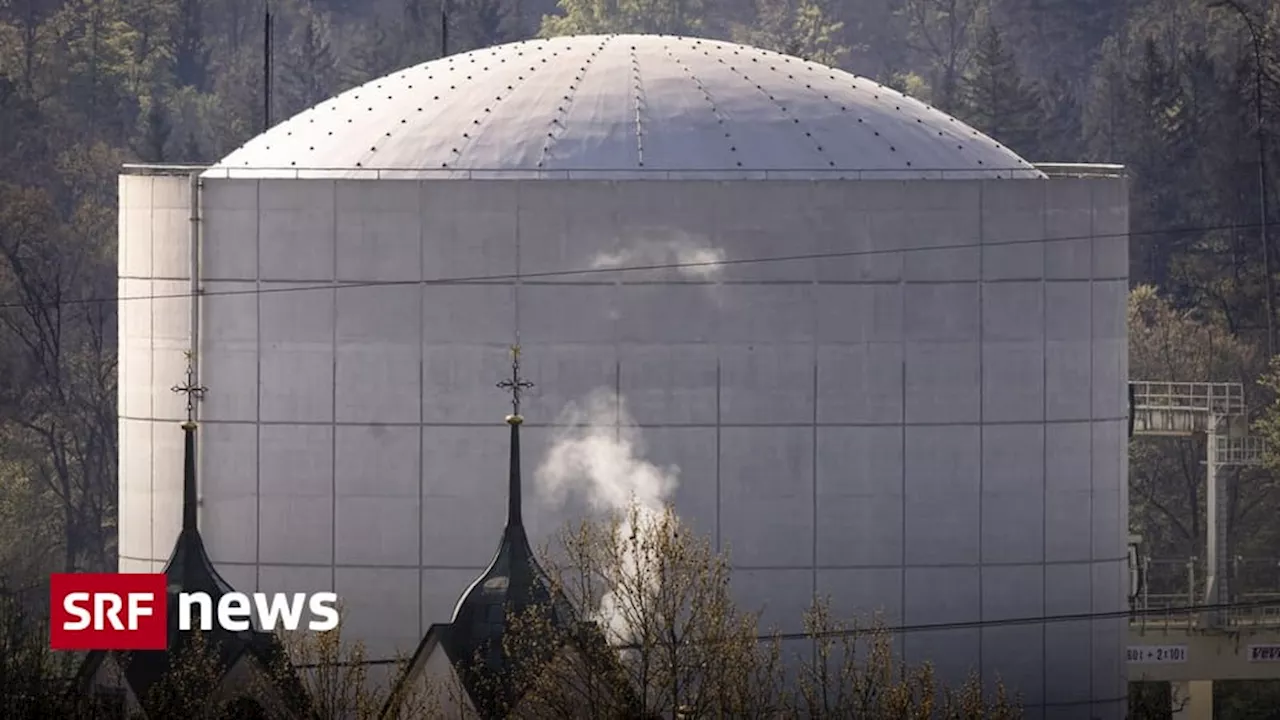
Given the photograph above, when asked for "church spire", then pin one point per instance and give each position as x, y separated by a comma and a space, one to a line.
511, 585
516, 385
189, 569
194, 392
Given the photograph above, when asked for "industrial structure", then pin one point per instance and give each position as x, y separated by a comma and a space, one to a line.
888, 355
1219, 623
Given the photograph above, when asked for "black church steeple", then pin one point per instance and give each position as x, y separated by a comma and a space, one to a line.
513, 584
189, 569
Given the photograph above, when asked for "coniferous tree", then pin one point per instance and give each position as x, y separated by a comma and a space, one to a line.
96, 41
375, 50
996, 101
1151, 132
483, 23
309, 71
941, 34
1057, 36
157, 132
191, 50
1060, 138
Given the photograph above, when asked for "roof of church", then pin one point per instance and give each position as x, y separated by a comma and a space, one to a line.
584, 636
189, 569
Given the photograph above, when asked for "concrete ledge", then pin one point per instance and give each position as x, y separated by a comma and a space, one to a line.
1206, 655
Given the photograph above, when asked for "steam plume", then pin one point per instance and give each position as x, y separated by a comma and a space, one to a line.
694, 258
598, 455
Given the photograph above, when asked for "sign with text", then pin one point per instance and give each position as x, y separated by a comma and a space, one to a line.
130, 611
1264, 653
1157, 654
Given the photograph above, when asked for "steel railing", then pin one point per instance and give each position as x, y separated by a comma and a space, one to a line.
1223, 398
293, 172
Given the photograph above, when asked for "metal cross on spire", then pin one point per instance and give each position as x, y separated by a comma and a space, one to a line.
189, 388
517, 385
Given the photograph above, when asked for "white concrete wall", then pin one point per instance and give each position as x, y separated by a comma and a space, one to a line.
937, 433
154, 332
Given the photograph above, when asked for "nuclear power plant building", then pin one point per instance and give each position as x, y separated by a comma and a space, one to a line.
884, 357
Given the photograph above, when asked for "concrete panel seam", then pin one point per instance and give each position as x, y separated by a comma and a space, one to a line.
422, 405
1044, 456
902, 472
982, 406
151, 290
257, 470
814, 349
814, 464
1092, 411
719, 450
333, 396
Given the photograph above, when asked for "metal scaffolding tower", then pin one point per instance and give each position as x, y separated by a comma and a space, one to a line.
1218, 411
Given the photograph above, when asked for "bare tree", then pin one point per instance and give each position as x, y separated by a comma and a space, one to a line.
1168, 344
942, 32
659, 636
190, 687
334, 675
853, 673
58, 394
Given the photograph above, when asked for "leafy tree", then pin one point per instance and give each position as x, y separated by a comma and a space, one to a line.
586, 17
801, 28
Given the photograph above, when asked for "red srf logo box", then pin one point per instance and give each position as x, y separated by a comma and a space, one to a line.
109, 611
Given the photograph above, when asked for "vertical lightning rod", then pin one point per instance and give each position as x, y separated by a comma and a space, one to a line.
266, 71
444, 28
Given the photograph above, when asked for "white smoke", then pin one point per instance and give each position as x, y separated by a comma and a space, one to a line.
598, 456
692, 257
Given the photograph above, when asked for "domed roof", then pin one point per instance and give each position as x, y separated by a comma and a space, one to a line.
622, 106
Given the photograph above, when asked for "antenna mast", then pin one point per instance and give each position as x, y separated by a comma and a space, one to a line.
266, 70
444, 28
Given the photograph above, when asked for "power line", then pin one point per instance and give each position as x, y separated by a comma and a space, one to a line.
931, 627
341, 284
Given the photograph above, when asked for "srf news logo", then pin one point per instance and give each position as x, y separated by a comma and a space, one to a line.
130, 611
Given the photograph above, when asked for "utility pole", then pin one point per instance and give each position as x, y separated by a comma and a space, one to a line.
1255, 34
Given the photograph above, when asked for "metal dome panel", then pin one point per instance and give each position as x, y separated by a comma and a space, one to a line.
623, 106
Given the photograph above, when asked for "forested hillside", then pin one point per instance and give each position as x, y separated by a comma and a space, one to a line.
1165, 87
